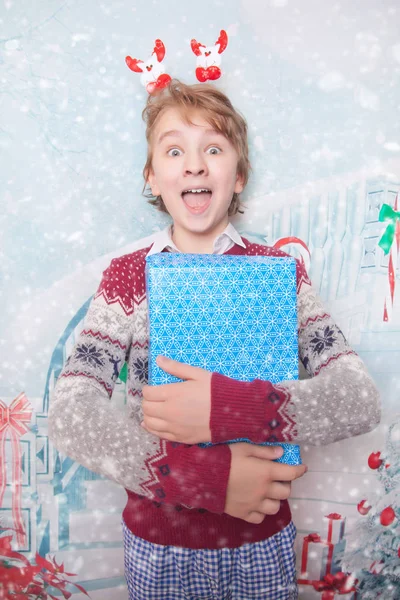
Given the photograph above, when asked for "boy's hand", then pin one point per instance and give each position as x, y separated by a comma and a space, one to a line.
179, 412
256, 484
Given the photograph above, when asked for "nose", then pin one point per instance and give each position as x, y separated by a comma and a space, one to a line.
195, 164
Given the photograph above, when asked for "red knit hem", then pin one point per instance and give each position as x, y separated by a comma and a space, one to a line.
195, 528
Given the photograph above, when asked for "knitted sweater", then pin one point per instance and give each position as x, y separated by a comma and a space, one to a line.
176, 492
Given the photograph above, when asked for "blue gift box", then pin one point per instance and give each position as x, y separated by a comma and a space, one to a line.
231, 314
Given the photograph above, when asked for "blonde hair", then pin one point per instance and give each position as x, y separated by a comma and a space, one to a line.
218, 111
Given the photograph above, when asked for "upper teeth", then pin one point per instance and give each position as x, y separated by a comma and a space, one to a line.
196, 191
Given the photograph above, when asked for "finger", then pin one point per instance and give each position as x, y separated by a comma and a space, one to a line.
178, 369
269, 507
279, 471
154, 424
282, 472
265, 452
279, 490
161, 393
155, 393
153, 409
255, 517
164, 435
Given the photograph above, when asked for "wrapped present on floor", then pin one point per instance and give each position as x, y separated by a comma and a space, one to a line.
313, 565
231, 314
320, 563
331, 559
335, 535
310, 593
340, 585
336, 527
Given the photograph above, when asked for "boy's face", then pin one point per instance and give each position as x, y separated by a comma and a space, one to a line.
189, 157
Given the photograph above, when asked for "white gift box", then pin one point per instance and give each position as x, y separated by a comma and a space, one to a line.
335, 527
313, 563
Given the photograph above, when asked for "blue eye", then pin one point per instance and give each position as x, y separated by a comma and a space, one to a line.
214, 150
174, 152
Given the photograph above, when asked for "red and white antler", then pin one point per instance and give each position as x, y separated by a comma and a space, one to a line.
133, 64
222, 41
159, 50
195, 45
153, 75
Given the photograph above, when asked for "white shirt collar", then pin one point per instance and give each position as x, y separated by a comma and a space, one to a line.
222, 243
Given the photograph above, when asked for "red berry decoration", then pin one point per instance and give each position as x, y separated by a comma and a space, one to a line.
387, 516
363, 507
374, 460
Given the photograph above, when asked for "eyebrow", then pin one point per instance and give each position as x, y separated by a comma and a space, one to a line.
177, 133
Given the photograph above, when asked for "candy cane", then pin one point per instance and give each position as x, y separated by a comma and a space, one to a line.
390, 244
305, 255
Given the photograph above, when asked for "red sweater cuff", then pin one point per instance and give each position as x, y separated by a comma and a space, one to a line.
241, 409
194, 477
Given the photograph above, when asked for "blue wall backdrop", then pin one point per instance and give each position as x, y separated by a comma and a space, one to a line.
319, 86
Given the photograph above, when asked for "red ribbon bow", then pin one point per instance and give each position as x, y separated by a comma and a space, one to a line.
334, 516
14, 420
340, 583
313, 537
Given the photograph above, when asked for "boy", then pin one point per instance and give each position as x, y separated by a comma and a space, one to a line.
202, 522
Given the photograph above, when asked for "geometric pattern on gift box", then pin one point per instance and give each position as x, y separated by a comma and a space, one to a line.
235, 315
291, 452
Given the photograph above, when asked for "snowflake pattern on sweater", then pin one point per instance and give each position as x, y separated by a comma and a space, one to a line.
338, 401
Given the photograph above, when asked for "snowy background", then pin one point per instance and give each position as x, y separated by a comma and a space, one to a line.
319, 86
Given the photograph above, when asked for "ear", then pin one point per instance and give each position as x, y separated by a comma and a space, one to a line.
152, 181
239, 185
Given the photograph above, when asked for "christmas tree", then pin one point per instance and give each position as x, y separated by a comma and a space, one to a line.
373, 547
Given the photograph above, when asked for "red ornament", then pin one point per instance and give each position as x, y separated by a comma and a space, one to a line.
387, 516
374, 460
363, 507
398, 552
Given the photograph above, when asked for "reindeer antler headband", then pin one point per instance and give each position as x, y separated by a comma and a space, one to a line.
154, 77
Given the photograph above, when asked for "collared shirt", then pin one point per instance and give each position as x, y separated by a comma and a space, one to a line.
222, 243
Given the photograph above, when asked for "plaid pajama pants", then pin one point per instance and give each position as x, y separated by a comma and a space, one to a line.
259, 571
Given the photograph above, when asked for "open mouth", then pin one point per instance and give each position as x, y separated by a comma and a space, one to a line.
197, 200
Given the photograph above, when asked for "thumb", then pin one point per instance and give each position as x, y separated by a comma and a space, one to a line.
269, 452
178, 369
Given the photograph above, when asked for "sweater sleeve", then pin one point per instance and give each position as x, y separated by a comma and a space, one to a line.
339, 400
86, 425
